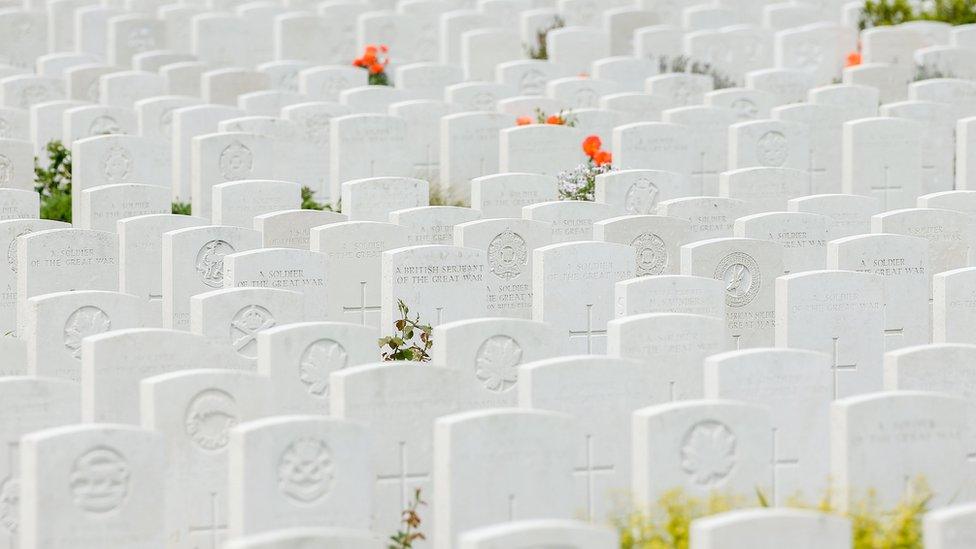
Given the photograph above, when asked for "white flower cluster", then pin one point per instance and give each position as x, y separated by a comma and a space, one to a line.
580, 182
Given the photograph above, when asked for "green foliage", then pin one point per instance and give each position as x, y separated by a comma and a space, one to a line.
53, 182
667, 524
410, 518
877, 13
380, 79
402, 345
925, 72
182, 208
439, 197
683, 63
539, 50
309, 202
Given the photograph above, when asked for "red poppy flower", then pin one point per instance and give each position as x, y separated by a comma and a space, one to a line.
602, 157
591, 145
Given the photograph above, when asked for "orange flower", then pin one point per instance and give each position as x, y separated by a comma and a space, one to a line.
375, 68
591, 145
602, 157
524, 120
853, 59
554, 119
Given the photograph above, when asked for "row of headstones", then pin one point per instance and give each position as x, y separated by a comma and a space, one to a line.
881, 156
330, 32
359, 271
338, 261
475, 39
207, 463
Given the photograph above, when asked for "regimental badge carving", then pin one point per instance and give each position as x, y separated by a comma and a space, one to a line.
745, 108
332, 85
484, 101
772, 149
652, 254
12, 250
141, 39
210, 417
708, 453
245, 326
641, 197
10, 504
33, 94
210, 262
682, 93
86, 321
6, 171
320, 359
742, 278
533, 82
99, 481
317, 128
306, 471
809, 54
496, 364
236, 161
116, 165
104, 125
507, 255
166, 124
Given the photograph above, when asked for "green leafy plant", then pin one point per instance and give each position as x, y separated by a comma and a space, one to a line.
441, 197
926, 72
309, 202
667, 524
182, 208
410, 518
683, 63
402, 345
53, 182
877, 13
539, 49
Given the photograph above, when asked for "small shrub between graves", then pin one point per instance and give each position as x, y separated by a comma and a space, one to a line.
683, 63
878, 13
309, 202
561, 118
410, 518
539, 50
53, 182
182, 208
402, 345
667, 525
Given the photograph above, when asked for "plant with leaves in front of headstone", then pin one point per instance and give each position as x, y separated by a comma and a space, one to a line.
580, 182
53, 182
182, 208
683, 63
561, 118
401, 344
878, 13
309, 202
667, 524
375, 60
539, 50
927, 72
410, 518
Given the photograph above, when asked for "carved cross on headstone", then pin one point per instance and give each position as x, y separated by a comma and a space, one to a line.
403, 477
885, 188
589, 471
837, 367
362, 307
589, 332
213, 528
778, 462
